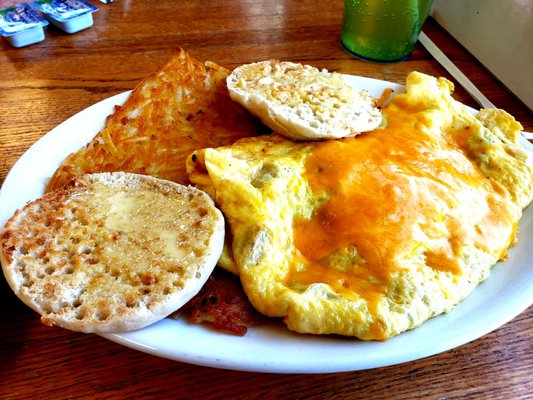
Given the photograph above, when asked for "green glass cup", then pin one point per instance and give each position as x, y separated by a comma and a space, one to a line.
383, 30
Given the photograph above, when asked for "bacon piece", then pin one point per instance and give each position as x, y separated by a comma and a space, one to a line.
223, 304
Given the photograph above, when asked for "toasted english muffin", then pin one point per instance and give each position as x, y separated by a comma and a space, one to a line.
111, 252
302, 102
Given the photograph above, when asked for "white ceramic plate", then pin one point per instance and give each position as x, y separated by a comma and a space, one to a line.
272, 348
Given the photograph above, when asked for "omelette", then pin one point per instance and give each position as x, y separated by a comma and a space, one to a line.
373, 235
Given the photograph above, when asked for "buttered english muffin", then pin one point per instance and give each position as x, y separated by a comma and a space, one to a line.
111, 252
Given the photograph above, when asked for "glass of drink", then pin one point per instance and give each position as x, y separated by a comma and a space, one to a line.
383, 30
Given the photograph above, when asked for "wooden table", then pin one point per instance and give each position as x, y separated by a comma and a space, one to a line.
43, 84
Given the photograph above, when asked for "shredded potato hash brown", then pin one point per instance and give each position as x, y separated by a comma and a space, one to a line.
180, 108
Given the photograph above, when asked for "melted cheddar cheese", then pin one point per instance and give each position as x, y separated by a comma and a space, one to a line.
394, 196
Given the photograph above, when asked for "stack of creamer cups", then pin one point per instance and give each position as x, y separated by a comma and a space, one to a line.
23, 24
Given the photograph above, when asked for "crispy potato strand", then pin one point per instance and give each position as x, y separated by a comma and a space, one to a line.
180, 108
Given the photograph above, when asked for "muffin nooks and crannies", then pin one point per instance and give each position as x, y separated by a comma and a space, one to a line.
302, 102
111, 252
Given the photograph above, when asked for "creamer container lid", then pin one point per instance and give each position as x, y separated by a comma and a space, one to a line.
63, 10
18, 18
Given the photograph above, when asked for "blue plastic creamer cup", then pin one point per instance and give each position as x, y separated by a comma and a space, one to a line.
21, 25
68, 15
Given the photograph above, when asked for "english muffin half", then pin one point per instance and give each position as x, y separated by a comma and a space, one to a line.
302, 102
111, 252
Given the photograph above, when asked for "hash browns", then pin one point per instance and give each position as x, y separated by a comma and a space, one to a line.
182, 107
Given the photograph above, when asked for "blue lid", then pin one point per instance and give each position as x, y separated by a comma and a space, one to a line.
63, 10
19, 18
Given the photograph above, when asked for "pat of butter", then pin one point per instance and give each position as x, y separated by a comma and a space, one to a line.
122, 207
120, 218
170, 240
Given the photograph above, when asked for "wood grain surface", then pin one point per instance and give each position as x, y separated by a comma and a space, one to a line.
44, 84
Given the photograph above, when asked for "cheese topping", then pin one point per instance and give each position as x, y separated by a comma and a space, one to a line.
389, 192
